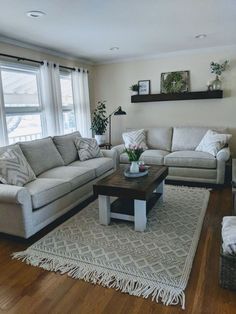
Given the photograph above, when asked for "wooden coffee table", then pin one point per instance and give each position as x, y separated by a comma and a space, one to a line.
140, 190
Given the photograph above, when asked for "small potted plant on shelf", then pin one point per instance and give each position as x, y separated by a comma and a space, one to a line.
217, 69
134, 88
99, 122
134, 152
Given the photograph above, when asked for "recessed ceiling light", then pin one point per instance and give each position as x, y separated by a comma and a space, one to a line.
114, 48
201, 36
35, 14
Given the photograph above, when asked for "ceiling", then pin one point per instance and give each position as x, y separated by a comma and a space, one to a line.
89, 28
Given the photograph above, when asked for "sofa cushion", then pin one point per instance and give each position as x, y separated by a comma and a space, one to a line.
87, 148
154, 156
41, 154
66, 146
14, 168
213, 142
100, 165
44, 191
192, 159
136, 137
76, 176
159, 138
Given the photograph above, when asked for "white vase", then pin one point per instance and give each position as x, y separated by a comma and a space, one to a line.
101, 139
134, 167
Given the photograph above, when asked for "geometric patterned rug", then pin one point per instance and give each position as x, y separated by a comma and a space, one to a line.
155, 263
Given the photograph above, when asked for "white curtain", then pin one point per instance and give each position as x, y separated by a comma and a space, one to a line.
3, 126
81, 101
50, 91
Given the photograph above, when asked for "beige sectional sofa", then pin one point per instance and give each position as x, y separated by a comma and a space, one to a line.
175, 148
63, 181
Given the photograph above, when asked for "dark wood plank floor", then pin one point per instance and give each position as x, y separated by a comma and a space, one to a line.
27, 289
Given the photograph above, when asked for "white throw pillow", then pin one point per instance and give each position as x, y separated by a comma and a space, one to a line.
14, 168
137, 137
213, 142
87, 148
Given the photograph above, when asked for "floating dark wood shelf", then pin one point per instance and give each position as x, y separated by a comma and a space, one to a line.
178, 96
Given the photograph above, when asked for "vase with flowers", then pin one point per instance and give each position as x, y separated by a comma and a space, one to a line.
218, 68
134, 152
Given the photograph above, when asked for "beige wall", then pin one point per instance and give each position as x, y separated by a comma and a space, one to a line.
39, 55
112, 83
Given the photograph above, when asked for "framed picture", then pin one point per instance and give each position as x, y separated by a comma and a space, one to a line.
144, 87
175, 82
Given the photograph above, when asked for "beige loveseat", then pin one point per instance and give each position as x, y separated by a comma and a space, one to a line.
175, 148
63, 181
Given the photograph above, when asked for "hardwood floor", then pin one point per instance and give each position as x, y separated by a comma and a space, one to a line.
27, 289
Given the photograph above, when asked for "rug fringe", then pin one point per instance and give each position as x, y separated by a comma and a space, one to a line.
107, 278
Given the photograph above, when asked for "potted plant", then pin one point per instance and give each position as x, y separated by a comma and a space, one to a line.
99, 122
218, 68
134, 88
134, 152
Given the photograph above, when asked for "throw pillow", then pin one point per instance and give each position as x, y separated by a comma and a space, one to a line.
213, 142
14, 168
87, 148
137, 137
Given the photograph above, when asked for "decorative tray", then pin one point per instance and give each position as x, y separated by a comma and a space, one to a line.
129, 174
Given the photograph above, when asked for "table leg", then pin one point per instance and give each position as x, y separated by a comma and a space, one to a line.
104, 209
159, 188
140, 218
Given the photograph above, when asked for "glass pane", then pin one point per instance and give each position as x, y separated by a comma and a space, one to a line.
66, 90
19, 88
24, 128
67, 103
69, 121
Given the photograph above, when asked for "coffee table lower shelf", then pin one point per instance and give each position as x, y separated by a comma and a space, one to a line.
128, 209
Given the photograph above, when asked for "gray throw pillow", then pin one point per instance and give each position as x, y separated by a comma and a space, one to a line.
14, 168
87, 148
66, 146
42, 155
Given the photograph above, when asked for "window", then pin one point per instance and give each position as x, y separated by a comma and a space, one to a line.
22, 106
67, 103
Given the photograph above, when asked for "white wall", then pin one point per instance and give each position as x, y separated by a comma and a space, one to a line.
112, 81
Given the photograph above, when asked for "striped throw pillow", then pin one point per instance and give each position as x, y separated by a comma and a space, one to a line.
14, 168
137, 137
87, 148
213, 142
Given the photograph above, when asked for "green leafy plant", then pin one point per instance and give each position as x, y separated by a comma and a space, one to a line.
174, 83
218, 68
99, 119
134, 88
134, 152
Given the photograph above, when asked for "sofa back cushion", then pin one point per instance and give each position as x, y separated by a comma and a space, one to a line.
188, 138
41, 154
66, 146
159, 138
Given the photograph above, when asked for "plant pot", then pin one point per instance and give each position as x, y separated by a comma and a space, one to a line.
134, 167
217, 84
134, 92
101, 139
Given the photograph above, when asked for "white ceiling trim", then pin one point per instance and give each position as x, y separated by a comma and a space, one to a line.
21, 44
169, 54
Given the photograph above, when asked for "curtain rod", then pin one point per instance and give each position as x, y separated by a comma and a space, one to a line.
38, 62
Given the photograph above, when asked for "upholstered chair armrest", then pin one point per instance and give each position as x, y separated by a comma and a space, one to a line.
119, 149
14, 194
223, 154
110, 154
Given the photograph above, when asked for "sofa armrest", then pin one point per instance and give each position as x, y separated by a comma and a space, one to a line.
110, 154
119, 148
13, 194
223, 154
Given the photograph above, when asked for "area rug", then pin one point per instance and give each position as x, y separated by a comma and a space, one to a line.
155, 263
